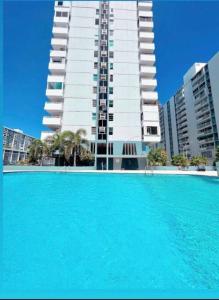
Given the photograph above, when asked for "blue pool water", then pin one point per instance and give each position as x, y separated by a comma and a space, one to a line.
66, 232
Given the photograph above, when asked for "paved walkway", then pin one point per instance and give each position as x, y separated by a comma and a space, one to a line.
164, 172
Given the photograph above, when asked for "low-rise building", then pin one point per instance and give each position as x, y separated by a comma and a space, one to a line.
15, 145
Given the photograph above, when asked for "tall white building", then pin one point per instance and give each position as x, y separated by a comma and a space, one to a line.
190, 119
102, 79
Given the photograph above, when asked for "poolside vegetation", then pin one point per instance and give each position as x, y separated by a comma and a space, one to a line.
66, 147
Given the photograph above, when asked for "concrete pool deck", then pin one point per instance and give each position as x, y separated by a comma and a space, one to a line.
81, 170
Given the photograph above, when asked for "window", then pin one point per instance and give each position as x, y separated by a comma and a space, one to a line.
111, 9
97, 11
93, 116
94, 89
111, 43
58, 14
93, 130
129, 149
152, 130
95, 65
110, 130
94, 103
111, 54
96, 21
64, 14
95, 53
111, 66
61, 14
111, 15
111, 78
110, 103
95, 77
110, 148
55, 85
111, 21
111, 90
60, 3
110, 117
111, 32
96, 42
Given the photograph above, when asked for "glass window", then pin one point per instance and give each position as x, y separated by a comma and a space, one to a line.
60, 3
111, 43
93, 130
94, 89
95, 53
111, 66
94, 103
111, 90
110, 103
110, 130
95, 65
93, 116
111, 54
152, 130
96, 42
111, 32
111, 78
97, 11
95, 77
96, 21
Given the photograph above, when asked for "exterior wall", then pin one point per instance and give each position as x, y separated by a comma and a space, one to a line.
15, 145
82, 31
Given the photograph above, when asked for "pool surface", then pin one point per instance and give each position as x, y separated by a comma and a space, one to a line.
65, 232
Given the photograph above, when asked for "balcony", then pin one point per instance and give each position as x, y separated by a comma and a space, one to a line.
148, 72
146, 26
148, 59
57, 54
59, 44
146, 47
60, 32
57, 67
61, 21
53, 108
144, 6
149, 84
152, 138
149, 96
52, 122
46, 134
146, 36
145, 13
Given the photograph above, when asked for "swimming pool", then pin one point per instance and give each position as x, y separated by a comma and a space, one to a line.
66, 232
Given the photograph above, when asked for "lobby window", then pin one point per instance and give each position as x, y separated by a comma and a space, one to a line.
111, 117
111, 66
111, 90
110, 103
111, 54
94, 116
96, 21
93, 130
152, 130
111, 77
129, 149
94, 103
110, 130
95, 77
94, 89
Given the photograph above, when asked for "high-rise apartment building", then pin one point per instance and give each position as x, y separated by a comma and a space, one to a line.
190, 119
15, 145
102, 79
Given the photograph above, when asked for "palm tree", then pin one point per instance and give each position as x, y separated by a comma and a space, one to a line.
37, 150
56, 144
74, 143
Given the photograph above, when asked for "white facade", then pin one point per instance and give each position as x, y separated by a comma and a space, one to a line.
195, 113
102, 77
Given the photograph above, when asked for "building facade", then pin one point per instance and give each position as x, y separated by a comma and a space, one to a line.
102, 79
190, 119
15, 145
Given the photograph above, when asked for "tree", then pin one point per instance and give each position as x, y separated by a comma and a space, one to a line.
198, 160
157, 157
180, 161
37, 150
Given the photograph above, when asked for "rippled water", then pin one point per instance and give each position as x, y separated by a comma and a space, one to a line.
65, 232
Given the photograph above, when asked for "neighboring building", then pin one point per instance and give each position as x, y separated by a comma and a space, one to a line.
190, 119
102, 79
15, 145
